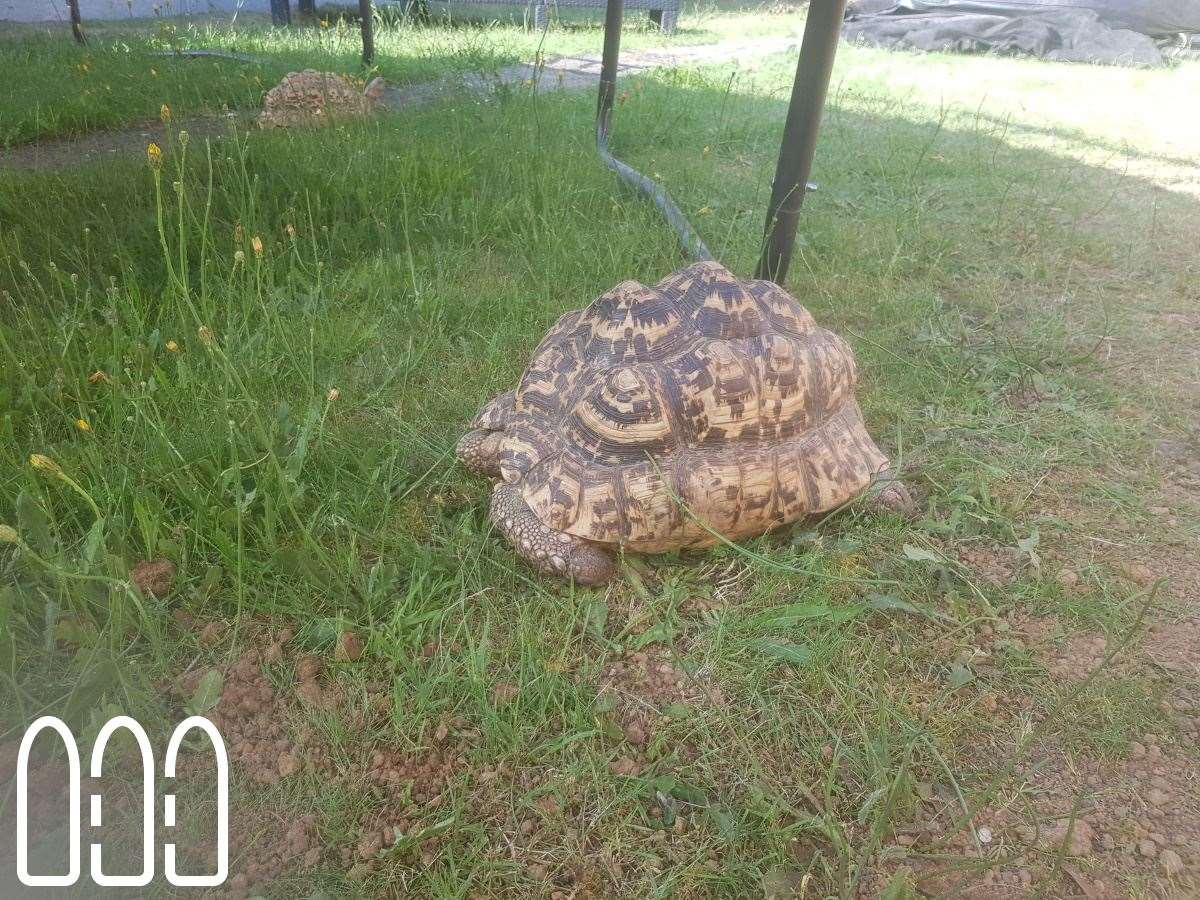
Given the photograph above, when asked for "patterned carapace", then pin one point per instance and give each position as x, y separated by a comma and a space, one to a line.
657, 416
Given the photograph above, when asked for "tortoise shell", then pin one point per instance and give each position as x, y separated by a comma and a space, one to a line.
662, 417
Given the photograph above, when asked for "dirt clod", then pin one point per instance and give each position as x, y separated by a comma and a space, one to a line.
504, 693
1171, 861
289, 765
1137, 572
309, 667
624, 766
1078, 843
154, 578
349, 647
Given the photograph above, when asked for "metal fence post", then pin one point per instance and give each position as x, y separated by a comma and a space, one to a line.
821, 32
281, 13
614, 13
366, 17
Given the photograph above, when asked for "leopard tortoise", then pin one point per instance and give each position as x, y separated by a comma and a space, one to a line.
672, 416
314, 98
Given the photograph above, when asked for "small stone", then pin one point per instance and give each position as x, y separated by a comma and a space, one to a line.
1158, 797
212, 633
635, 734
1171, 861
288, 765
1137, 750
1147, 848
1158, 510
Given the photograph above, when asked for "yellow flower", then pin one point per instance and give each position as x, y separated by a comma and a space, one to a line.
290, 229
8, 534
333, 394
164, 113
239, 256
256, 245
45, 464
154, 155
206, 335
82, 425
172, 347
324, 23
97, 377
154, 73
704, 210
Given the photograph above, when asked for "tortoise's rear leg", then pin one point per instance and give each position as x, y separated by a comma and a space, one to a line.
479, 451
547, 550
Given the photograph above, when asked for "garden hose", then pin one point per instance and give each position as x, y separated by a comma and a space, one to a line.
688, 235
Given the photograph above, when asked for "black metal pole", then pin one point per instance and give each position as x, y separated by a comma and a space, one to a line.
76, 22
366, 18
821, 32
281, 13
614, 12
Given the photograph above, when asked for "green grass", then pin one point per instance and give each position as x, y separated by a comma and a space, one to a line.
61, 89
409, 266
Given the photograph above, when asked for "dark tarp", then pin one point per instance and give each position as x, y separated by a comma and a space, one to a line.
1117, 32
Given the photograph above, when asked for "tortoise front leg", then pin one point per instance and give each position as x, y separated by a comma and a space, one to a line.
888, 492
549, 551
479, 451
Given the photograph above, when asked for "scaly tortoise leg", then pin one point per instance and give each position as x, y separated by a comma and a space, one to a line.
549, 551
887, 492
479, 451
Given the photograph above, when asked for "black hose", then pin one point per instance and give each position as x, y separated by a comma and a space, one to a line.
683, 228
219, 54
608, 87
